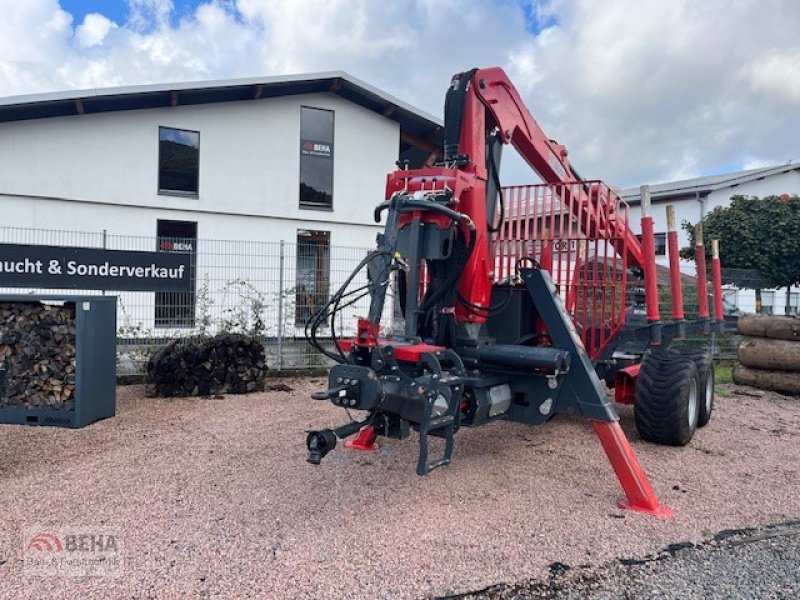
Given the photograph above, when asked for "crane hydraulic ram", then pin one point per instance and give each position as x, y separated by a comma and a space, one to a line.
514, 308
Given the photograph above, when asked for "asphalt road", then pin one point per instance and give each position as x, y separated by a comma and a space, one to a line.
745, 564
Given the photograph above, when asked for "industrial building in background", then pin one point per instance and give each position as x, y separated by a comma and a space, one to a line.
694, 198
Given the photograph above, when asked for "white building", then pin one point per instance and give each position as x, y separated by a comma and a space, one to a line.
299, 159
693, 198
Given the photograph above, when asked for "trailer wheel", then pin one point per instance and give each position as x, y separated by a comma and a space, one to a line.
667, 400
705, 384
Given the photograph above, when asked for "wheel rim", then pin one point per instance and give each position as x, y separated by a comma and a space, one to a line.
709, 393
691, 411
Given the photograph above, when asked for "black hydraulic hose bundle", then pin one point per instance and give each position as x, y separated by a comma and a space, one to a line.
330, 308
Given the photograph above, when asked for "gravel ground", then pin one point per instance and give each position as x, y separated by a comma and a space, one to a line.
213, 498
733, 566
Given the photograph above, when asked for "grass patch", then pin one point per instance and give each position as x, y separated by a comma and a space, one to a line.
723, 371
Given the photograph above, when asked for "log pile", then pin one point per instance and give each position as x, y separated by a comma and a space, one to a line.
769, 358
226, 363
37, 350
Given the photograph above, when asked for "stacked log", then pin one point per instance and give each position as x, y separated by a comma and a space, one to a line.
769, 358
202, 366
37, 351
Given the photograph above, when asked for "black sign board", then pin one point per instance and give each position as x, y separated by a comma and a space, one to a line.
59, 267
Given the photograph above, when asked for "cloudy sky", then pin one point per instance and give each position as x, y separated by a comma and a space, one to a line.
640, 91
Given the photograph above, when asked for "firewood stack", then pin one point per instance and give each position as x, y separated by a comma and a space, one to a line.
227, 363
37, 349
770, 356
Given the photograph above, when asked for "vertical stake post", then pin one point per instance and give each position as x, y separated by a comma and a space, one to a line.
650, 282
280, 307
702, 282
676, 287
716, 278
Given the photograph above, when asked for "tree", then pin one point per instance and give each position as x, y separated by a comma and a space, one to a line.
761, 234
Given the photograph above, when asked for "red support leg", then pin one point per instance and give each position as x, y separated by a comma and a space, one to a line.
640, 496
364, 441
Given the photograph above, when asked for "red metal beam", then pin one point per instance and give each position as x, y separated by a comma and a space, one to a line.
702, 283
639, 494
674, 266
716, 275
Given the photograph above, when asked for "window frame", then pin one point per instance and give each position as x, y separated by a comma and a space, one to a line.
794, 307
319, 239
164, 301
177, 193
771, 306
311, 206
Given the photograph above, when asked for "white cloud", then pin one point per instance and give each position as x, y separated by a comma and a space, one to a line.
639, 91
93, 30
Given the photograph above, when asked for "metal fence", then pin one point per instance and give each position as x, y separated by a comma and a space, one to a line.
268, 289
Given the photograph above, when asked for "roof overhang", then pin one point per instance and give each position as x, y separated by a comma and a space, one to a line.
420, 132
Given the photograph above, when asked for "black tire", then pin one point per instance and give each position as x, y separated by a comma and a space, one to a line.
705, 383
666, 406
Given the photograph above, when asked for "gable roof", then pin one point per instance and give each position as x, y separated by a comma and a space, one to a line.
419, 130
703, 186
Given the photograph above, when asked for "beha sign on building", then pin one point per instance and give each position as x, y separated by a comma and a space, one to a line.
61, 267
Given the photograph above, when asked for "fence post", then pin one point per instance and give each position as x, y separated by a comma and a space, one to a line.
280, 308
105, 247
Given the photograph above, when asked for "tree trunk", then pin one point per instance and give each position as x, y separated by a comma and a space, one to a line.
779, 328
777, 381
763, 353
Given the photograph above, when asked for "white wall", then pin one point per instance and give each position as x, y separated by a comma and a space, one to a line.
249, 166
91, 173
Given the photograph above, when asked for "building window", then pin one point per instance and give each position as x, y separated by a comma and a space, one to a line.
767, 302
176, 309
313, 273
178, 161
794, 304
660, 243
316, 158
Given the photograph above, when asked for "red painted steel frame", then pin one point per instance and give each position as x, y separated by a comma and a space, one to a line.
639, 495
625, 384
675, 276
586, 257
702, 284
650, 282
364, 441
716, 275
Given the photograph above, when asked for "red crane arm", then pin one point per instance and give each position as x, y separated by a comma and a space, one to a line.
517, 127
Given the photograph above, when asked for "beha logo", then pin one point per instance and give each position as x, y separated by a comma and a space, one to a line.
72, 551
45, 542
168, 246
312, 148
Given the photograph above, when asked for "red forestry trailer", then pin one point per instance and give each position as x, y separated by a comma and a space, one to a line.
518, 302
